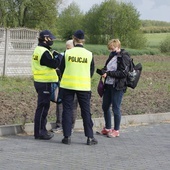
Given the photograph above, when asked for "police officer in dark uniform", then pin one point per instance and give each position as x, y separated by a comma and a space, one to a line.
78, 69
44, 73
59, 107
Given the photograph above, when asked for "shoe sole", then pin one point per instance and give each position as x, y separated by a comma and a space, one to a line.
94, 143
66, 143
40, 138
99, 133
112, 136
43, 138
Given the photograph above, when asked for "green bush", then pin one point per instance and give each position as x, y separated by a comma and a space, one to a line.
135, 40
165, 45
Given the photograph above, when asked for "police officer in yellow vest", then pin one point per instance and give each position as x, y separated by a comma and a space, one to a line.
78, 69
44, 73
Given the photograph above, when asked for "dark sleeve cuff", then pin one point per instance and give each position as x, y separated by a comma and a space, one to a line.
108, 73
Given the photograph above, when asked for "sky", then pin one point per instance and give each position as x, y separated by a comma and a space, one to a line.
148, 9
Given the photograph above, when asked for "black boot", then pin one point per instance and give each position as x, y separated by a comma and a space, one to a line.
66, 140
92, 141
46, 136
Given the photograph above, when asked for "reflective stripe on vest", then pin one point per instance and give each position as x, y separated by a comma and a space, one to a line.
42, 73
76, 75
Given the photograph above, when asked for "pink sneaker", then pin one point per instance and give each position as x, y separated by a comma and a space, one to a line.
105, 131
113, 134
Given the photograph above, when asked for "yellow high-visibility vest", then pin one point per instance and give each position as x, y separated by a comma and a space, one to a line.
42, 73
76, 75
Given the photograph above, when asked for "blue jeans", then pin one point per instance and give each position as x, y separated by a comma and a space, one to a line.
112, 97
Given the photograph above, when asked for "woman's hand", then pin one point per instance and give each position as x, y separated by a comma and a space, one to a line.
104, 75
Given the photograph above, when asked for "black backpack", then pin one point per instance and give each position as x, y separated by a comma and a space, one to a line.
133, 74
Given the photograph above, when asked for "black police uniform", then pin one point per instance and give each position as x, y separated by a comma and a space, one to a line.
43, 90
84, 102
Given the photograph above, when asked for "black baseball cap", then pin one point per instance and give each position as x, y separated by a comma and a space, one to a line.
46, 33
79, 34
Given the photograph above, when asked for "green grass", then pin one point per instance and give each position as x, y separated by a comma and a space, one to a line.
156, 66
95, 49
7, 82
155, 39
102, 49
152, 48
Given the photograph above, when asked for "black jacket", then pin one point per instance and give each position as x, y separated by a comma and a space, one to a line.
120, 74
47, 60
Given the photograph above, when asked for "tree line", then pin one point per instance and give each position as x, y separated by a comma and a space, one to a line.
151, 26
110, 19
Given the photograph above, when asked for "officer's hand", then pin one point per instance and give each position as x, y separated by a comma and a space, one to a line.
55, 53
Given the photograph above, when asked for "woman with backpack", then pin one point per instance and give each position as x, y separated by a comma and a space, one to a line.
115, 74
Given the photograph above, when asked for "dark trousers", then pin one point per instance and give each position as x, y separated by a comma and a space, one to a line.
59, 111
43, 104
84, 103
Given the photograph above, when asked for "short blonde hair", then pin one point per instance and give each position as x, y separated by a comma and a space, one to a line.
114, 43
76, 40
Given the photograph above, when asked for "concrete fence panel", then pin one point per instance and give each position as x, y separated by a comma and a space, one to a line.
16, 48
